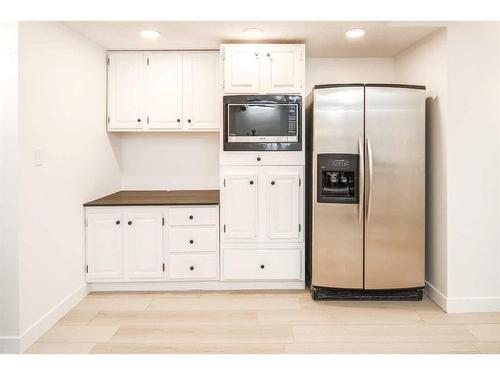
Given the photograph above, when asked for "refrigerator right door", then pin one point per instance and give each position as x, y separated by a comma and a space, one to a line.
395, 187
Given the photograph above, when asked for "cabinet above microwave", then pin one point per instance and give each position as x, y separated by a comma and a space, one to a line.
263, 68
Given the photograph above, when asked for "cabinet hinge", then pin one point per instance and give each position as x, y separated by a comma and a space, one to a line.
147, 119
107, 61
224, 182
163, 221
109, 119
87, 268
224, 228
223, 84
300, 181
300, 227
86, 222
223, 55
147, 61
163, 267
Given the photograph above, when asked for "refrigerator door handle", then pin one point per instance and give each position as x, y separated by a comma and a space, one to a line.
370, 178
361, 178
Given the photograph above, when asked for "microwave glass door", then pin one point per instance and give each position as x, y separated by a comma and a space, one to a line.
272, 122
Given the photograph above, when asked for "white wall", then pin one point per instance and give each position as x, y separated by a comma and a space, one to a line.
9, 277
170, 161
473, 144
62, 112
348, 70
426, 63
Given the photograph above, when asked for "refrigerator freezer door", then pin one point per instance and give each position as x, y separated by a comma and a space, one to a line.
395, 187
337, 230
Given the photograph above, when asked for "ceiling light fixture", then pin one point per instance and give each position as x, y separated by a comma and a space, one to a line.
252, 33
354, 33
150, 34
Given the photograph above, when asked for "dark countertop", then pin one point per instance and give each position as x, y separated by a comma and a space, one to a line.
157, 198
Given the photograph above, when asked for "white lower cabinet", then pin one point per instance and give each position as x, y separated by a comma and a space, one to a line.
262, 204
144, 245
104, 242
262, 214
131, 244
280, 264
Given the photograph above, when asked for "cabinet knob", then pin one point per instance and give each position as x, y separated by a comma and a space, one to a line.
191, 268
189, 120
251, 182
259, 159
191, 217
268, 54
129, 223
256, 54
261, 266
138, 120
117, 222
178, 120
191, 241
272, 182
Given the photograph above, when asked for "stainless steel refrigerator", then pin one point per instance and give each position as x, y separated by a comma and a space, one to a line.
368, 191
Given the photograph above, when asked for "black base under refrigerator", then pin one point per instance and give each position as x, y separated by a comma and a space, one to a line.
367, 192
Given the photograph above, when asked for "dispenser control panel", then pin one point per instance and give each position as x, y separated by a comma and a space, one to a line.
337, 178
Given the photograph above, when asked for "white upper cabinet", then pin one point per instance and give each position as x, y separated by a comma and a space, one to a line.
200, 85
241, 68
125, 91
163, 91
263, 68
283, 69
105, 258
283, 196
240, 203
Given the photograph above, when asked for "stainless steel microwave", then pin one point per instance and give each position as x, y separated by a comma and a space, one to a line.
262, 123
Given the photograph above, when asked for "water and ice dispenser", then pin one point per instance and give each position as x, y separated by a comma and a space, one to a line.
337, 178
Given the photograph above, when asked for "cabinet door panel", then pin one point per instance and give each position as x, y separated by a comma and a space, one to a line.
282, 190
164, 90
125, 91
200, 90
143, 241
283, 69
239, 201
104, 246
242, 69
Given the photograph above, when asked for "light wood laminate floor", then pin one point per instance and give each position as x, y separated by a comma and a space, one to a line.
263, 322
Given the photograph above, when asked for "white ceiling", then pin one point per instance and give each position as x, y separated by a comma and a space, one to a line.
322, 38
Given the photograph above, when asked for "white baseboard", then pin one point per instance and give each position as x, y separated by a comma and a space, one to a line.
194, 285
473, 304
437, 296
34, 332
462, 304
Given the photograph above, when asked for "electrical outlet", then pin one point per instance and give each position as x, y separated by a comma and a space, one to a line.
37, 157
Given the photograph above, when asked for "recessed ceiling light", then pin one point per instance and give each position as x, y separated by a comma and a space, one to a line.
150, 34
355, 33
252, 33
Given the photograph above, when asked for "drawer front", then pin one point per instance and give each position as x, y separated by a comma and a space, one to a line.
193, 215
192, 239
262, 264
192, 267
